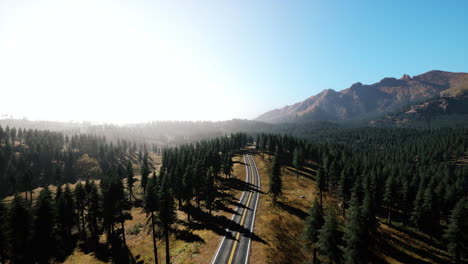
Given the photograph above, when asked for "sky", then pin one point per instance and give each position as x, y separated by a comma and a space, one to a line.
136, 61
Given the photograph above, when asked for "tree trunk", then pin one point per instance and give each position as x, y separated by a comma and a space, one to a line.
189, 205
314, 258
321, 199
78, 222
123, 234
389, 216
155, 248
168, 257
343, 206
83, 221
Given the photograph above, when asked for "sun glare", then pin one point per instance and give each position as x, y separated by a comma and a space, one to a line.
89, 64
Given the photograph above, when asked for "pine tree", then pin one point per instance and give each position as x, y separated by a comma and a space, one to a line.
115, 211
388, 196
227, 165
19, 224
130, 180
369, 222
3, 237
58, 175
275, 179
210, 191
80, 197
343, 188
456, 234
355, 249
94, 211
44, 233
167, 215
321, 183
145, 172
297, 160
328, 238
27, 184
430, 211
150, 207
187, 184
66, 219
313, 223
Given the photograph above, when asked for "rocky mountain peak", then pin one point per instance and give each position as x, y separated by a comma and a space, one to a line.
405, 77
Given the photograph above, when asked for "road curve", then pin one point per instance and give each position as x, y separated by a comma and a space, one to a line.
235, 245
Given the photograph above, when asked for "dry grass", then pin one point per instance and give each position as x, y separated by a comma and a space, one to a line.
79, 257
404, 245
280, 226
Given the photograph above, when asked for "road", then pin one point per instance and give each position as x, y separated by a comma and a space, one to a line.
235, 245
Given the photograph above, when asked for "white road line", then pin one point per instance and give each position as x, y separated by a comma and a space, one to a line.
255, 209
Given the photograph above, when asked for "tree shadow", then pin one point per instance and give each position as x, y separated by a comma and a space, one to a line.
388, 247
100, 250
187, 236
222, 207
310, 167
202, 220
66, 246
237, 184
292, 210
300, 173
433, 243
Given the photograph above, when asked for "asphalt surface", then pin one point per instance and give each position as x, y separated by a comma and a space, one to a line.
235, 245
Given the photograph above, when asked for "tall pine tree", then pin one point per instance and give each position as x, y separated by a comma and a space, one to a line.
167, 215
275, 179
19, 225
130, 180
313, 223
151, 207
456, 234
44, 232
328, 238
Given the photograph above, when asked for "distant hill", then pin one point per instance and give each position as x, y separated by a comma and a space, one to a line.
365, 101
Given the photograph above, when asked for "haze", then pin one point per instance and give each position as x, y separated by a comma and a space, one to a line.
131, 61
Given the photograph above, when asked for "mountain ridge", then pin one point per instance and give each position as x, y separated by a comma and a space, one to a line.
389, 94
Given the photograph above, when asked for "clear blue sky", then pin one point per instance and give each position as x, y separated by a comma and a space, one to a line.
219, 59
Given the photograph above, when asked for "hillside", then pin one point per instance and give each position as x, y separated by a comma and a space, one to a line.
363, 101
435, 112
281, 226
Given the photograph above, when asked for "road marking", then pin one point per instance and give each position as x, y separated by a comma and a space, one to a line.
234, 214
255, 207
231, 257
238, 233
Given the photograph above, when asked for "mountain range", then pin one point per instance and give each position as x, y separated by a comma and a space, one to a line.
361, 102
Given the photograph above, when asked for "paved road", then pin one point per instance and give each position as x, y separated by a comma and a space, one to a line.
235, 245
